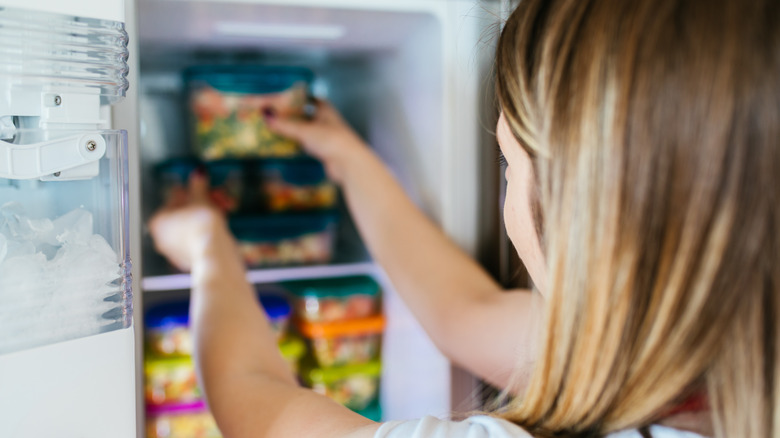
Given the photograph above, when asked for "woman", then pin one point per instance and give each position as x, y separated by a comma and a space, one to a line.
642, 147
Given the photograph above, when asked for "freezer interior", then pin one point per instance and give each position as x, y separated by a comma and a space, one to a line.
383, 68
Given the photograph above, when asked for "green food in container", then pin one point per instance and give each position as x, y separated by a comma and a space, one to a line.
228, 103
292, 349
354, 386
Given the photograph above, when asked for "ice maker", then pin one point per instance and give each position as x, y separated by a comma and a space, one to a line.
66, 338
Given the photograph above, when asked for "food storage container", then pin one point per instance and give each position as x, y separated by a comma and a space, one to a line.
278, 311
292, 349
191, 420
334, 299
167, 330
228, 103
174, 172
343, 342
226, 178
354, 386
170, 381
292, 184
285, 239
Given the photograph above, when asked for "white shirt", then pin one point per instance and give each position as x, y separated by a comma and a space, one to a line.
482, 426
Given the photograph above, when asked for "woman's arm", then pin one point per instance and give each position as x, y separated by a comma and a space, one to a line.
249, 387
467, 314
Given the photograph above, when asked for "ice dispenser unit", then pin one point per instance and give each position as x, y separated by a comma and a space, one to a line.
66, 342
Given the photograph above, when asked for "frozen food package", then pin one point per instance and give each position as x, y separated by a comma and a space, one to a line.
354, 386
340, 343
263, 185
285, 239
170, 381
189, 420
228, 106
335, 299
167, 329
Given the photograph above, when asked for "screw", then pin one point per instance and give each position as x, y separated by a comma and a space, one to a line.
57, 174
57, 100
91, 145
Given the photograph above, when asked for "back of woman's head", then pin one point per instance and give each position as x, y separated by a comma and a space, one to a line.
654, 129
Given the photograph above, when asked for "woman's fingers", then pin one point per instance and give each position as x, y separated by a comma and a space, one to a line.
291, 128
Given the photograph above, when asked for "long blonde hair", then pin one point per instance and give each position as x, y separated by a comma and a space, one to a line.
654, 129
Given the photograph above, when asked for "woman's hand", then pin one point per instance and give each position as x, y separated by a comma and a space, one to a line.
326, 137
184, 227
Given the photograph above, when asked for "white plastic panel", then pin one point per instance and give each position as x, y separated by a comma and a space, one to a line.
83, 388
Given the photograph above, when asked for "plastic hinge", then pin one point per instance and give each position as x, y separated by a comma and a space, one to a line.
66, 158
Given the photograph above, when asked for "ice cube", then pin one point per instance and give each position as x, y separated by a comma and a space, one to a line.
74, 226
55, 277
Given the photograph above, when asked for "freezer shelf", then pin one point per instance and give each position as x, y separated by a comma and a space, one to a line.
162, 283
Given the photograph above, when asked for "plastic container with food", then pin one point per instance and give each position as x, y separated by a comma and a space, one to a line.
278, 311
354, 386
293, 184
228, 105
174, 172
167, 330
340, 343
170, 380
335, 299
292, 349
226, 178
190, 420
285, 239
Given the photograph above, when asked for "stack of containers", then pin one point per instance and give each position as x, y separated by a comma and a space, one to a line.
340, 319
174, 401
281, 205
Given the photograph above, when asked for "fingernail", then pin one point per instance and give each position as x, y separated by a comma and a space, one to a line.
269, 113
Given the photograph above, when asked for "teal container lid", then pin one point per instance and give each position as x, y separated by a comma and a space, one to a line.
297, 171
176, 169
275, 227
333, 287
248, 79
373, 411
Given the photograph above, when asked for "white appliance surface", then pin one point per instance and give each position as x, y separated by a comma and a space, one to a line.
83, 388
113, 10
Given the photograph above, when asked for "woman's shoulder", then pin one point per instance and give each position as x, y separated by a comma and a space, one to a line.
483, 426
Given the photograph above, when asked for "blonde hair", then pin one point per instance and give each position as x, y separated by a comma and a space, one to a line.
653, 127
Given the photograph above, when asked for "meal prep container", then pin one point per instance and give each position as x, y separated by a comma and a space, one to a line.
170, 381
191, 420
167, 330
256, 186
342, 343
354, 386
228, 106
285, 239
335, 299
